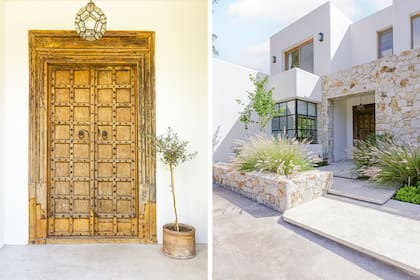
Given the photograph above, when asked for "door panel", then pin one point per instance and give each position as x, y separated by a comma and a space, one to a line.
93, 157
363, 122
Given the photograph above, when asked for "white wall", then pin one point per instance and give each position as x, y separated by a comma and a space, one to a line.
340, 129
343, 123
181, 97
301, 30
296, 83
340, 40
345, 43
230, 82
364, 38
2, 162
401, 14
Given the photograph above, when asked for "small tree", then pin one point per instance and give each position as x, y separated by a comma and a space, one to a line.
173, 152
261, 102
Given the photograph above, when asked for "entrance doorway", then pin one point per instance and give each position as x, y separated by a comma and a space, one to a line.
363, 121
92, 164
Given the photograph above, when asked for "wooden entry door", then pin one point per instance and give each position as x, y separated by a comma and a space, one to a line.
92, 158
92, 171
363, 121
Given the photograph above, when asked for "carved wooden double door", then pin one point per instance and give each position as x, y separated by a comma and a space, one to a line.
92, 151
363, 122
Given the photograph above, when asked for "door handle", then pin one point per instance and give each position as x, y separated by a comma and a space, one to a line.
104, 134
82, 133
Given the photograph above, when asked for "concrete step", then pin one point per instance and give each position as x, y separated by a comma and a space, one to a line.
390, 238
342, 169
363, 190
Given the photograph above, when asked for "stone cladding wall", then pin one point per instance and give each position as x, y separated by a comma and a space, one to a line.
277, 192
395, 81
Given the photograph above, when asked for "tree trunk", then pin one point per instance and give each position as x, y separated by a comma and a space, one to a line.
173, 196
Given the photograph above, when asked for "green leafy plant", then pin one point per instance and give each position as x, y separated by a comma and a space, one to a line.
409, 194
173, 152
261, 102
278, 155
385, 160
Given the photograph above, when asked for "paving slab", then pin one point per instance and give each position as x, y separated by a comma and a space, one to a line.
343, 169
387, 237
405, 209
98, 262
251, 241
362, 190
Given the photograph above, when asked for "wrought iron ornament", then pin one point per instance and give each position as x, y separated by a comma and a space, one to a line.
90, 22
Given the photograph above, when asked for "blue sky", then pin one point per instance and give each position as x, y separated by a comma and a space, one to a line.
244, 27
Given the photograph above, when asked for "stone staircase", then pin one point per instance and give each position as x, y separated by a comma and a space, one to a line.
346, 184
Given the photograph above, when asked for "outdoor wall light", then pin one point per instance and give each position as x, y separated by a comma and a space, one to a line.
274, 59
360, 107
320, 36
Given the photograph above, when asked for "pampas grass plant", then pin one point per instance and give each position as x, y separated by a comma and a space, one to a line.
277, 155
386, 161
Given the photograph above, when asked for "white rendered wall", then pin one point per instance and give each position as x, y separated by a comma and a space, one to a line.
230, 82
340, 40
296, 83
300, 31
343, 124
2, 148
364, 38
340, 130
402, 10
181, 98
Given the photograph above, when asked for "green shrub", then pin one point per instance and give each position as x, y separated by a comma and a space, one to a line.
385, 160
282, 156
409, 194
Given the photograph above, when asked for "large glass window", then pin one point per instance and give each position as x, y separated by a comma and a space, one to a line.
415, 31
385, 43
302, 56
297, 119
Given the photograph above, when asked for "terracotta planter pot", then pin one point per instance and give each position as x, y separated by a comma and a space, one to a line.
179, 244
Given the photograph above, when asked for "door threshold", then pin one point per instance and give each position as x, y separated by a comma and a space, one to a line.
93, 240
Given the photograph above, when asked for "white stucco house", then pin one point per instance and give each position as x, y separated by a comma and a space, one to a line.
339, 80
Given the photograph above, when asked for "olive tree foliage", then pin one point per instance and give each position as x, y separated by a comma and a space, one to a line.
260, 101
173, 152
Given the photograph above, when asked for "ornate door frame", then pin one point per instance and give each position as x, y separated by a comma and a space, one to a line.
124, 47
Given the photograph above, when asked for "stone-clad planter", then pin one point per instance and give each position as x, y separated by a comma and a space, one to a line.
274, 191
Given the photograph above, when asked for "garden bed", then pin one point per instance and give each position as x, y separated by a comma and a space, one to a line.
275, 191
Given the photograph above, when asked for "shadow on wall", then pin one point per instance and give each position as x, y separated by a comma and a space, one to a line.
230, 83
224, 150
341, 59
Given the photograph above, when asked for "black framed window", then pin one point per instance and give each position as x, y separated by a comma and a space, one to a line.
296, 119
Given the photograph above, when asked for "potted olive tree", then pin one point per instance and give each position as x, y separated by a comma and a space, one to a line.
178, 239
